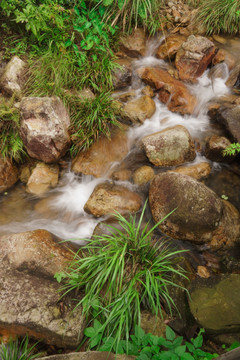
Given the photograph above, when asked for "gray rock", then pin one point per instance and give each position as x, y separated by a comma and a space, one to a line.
29, 294
169, 147
11, 81
89, 355
44, 128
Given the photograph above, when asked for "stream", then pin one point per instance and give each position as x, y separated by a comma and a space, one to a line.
61, 210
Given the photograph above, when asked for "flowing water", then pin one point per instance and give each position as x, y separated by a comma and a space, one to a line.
61, 211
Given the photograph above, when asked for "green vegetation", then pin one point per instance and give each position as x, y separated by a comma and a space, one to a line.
232, 149
16, 350
148, 346
220, 16
11, 144
120, 273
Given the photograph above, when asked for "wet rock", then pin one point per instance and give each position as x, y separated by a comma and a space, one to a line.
98, 159
197, 171
148, 91
134, 45
121, 174
218, 71
215, 145
170, 91
200, 216
169, 147
138, 110
107, 198
11, 81
42, 179
233, 80
228, 116
143, 175
89, 355
8, 174
215, 303
29, 294
194, 57
124, 96
223, 55
170, 46
44, 128
122, 77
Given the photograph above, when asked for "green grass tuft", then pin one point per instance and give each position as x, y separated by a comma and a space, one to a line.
120, 273
220, 16
16, 350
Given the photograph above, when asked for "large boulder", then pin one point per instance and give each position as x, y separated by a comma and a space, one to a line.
107, 198
98, 159
88, 355
170, 46
169, 147
42, 179
138, 110
170, 91
228, 116
11, 81
29, 294
8, 174
215, 303
199, 215
194, 57
44, 128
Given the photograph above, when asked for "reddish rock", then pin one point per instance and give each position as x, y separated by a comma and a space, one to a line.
215, 145
8, 174
98, 159
197, 171
194, 57
170, 46
170, 90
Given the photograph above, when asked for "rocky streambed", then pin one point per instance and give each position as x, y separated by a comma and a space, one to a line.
179, 107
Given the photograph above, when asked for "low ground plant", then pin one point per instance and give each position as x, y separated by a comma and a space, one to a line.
232, 149
220, 16
118, 274
151, 347
18, 350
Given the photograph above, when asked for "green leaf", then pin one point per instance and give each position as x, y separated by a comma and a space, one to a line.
97, 325
170, 334
120, 4
95, 340
180, 350
107, 2
187, 356
90, 332
68, 43
198, 341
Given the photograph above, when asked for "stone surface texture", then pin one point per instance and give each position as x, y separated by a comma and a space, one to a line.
107, 198
170, 91
193, 57
30, 298
8, 174
169, 147
44, 128
42, 179
138, 110
11, 81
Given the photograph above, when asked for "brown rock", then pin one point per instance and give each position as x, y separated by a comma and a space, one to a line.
44, 128
148, 91
143, 175
194, 57
223, 55
215, 145
97, 160
134, 45
169, 147
42, 179
170, 46
8, 174
203, 272
198, 171
138, 110
107, 198
170, 90
122, 77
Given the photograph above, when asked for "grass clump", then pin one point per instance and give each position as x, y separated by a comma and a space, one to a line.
120, 274
18, 350
220, 16
11, 144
